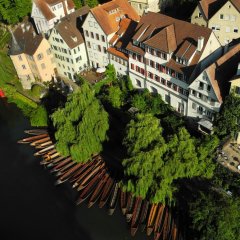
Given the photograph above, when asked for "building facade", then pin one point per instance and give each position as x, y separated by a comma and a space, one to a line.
46, 13
142, 6
222, 16
32, 56
68, 45
100, 26
167, 60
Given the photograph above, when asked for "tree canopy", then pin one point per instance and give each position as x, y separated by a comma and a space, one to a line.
13, 11
215, 216
39, 117
81, 126
154, 165
228, 120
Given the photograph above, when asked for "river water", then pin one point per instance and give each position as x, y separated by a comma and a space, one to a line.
32, 208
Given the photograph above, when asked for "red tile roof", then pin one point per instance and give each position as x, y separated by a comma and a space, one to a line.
108, 15
118, 53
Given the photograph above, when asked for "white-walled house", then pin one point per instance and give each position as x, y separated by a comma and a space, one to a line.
68, 45
208, 90
46, 13
166, 54
100, 26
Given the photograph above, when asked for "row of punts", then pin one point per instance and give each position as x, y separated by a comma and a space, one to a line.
95, 184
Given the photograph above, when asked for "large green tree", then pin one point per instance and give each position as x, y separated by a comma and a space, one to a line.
81, 126
12, 11
153, 165
215, 216
228, 120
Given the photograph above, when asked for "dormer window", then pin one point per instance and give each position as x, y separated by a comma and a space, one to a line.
118, 19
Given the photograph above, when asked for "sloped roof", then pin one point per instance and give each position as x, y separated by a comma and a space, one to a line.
109, 14
27, 40
68, 27
221, 72
117, 53
150, 26
43, 5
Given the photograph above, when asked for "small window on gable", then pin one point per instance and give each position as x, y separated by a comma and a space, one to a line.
221, 16
209, 88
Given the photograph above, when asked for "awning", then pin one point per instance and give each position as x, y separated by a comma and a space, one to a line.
101, 70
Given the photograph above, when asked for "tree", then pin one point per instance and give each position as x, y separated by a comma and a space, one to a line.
39, 117
145, 147
78, 3
215, 216
115, 96
13, 11
81, 126
91, 3
228, 120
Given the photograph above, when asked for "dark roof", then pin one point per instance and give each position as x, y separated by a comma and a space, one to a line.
27, 41
170, 35
223, 70
69, 27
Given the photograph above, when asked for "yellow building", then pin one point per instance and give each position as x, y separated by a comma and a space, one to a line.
141, 6
222, 16
235, 82
31, 55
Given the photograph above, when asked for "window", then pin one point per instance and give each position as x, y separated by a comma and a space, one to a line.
132, 66
209, 88
217, 28
140, 6
200, 109
194, 106
49, 51
180, 90
163, 81
199, 14
201, 85
87, 34
138, 83
194, 92
199, 95
19, 57
40, 56
90, 24
152, 63
92, 35
154, 90
235, 29
157, 78
180, 108
95, 25
88, 44
167, 99
227, 29
99, 48
43, 66
97, 36
103, 38
221, 16
104, 49
24, 67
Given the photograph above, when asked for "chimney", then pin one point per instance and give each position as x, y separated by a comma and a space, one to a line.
200, 43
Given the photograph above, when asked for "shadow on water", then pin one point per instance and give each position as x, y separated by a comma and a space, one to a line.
32, 207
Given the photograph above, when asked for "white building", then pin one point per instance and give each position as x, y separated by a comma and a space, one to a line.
68, 45
166, 54
99, 27
46, 13
208, 90
145, 5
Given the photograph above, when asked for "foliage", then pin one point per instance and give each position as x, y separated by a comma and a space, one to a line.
13, 11
81, 126
148, 102
115, 96
78, 3
153, 166
111, 72
145, 146
39, 117
215, 217
227, 121
90, 3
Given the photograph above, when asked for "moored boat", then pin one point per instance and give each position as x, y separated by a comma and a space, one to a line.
130, 205
65, 168
58, 166
31, 139
36, 131
35, 143
143, 215
106, 192
123, 201
43, 151
151, 219
98, 191
136, 216
113, 199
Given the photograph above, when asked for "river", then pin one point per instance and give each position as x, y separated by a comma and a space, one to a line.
32, 207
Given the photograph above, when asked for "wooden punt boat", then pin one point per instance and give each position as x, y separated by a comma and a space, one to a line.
159, 222
151, 219
98, 191
53, 156
43, 140
68, 174
106, 192
45, 144
58, 166
130, 206
36, 131
31, 139
166, 226
86, 180
53, 162
171, 228
136, 216
89, 189
123, 201
48, 155
65, 168
113, 199
43, 151
76, 175
143, 216
83, 175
